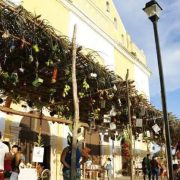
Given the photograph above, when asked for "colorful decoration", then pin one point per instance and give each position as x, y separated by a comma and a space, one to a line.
35, 48
54, 76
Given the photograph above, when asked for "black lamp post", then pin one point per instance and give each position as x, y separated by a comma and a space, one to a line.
153, 9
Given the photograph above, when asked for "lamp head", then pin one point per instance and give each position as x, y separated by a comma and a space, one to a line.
153, 10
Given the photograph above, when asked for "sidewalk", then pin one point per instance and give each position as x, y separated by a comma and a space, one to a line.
128, 178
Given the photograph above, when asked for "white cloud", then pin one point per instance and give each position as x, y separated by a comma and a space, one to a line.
141, 31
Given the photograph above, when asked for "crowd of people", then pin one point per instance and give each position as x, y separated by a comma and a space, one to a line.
10, 160
156, 167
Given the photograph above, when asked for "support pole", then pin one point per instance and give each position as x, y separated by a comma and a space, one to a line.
130, 123
76, 108
163, 99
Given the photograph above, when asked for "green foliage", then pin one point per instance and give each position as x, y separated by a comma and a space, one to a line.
66, 90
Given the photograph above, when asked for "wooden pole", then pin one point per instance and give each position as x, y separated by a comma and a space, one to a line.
76, 108
130, 123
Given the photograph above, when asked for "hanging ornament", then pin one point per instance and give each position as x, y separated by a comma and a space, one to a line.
36, 48
103, 103
5, 58
37, 64
14, 78
93, 75
85, 85
54, 76
119, 102
22, 43
112, 126
113, 111
38, 81
156, 128
138, 122
30, 59
51, 100
115, 87
106, 118
49, 62
21, 69
6, 34
12, 47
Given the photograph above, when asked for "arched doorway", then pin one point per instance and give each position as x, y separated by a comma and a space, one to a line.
28, 135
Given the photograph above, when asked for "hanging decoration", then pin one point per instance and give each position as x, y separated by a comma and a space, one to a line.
66, 90
35, 48
38, 81
6, 34
156, 128
54, 76
106, 118
103, 103
139, 122
113, 111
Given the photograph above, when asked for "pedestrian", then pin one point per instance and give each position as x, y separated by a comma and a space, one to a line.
7, 162
42, 172
15, 162
66, 160
154, 168
146, 167
175, 172
3, 150
108, 167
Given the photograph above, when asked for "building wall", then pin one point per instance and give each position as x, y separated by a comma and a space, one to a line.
96, 29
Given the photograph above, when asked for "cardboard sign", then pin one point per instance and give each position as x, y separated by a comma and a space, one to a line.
138, 122
38, 154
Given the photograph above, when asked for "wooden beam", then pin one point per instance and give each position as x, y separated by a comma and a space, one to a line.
38, 116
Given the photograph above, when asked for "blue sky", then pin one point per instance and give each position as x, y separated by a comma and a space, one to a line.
141, 31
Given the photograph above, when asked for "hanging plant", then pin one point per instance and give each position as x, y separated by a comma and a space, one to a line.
6, 34
37, 82
49, 62
30, 59
66, 90
35, 48
95, 113
39, 142
81, 95
14, 79
5, 75
85, 85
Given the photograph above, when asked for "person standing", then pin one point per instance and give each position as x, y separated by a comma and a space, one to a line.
108, 167
7, 162
154, 168
3, 150
66, 160
15, 162
146, 167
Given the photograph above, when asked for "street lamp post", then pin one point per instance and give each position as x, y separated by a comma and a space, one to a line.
153, 9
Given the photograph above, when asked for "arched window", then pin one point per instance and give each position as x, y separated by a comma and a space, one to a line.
107, 6
115, 23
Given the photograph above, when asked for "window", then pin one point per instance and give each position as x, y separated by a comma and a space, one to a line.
107, 6
115, 23
16, 2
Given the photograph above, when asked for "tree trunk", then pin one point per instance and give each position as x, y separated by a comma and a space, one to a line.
76, 108
130, 123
